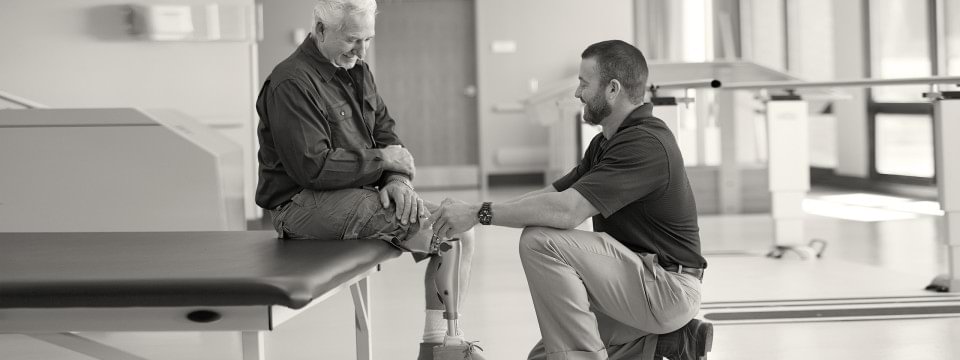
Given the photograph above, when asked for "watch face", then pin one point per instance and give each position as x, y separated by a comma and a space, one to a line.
485, 215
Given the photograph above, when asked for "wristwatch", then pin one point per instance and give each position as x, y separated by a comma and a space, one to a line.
485, 215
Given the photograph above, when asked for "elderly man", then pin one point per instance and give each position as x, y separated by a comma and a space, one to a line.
331, 164
609, 293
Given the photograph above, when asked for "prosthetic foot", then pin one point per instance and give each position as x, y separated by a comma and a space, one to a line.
448, 289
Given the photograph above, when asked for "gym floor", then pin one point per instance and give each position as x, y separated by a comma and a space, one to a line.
892, 235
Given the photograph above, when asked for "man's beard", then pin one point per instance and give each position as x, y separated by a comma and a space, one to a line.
595, 110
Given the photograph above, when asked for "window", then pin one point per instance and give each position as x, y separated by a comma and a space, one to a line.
904, 145
901, 35
899, 47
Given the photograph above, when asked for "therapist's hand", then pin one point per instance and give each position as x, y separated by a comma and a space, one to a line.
407, 203
454, 217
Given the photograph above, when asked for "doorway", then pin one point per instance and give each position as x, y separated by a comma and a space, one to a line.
425, 68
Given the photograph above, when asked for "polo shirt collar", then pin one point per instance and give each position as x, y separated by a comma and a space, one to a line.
637, 116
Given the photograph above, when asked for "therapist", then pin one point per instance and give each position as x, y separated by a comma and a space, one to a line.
630, 288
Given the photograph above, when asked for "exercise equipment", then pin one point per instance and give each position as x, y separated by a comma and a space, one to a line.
118, 169
789, 164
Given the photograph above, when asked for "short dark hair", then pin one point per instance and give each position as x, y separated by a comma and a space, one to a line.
619, 60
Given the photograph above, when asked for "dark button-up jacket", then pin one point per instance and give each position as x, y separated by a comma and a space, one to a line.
319, 127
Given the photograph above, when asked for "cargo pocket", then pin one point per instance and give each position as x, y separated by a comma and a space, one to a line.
317, 214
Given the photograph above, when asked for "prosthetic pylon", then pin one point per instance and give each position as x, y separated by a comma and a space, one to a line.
447, 280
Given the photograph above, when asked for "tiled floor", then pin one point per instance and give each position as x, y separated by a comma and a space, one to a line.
499, 312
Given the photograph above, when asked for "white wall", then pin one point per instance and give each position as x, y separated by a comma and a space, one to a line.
853, 158
810, 39
952, 24
67, 53
763, 33
550, 35
281, 19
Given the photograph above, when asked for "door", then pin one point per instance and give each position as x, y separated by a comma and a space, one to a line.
425, 69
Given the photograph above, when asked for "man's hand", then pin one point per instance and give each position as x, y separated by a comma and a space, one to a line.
408, 204
454, 217
399, 159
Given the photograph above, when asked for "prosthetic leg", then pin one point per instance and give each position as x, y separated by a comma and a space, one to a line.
447, 280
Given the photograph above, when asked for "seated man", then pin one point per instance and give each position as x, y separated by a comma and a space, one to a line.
609, 293
332, 167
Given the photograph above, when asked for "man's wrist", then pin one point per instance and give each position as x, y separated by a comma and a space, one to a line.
399, 178
388, 163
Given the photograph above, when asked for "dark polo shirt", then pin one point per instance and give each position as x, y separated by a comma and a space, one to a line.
637, 180
319, 127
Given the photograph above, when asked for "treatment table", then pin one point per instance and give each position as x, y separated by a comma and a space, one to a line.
54, 284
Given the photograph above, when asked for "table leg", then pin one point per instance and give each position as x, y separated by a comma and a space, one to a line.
361, 305
252, 344
85, 346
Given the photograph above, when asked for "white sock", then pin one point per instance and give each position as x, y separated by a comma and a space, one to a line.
435, 327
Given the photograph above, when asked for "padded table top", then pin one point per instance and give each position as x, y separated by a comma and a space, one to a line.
222, 268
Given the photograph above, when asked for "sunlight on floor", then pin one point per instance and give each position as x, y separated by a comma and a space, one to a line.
869, 207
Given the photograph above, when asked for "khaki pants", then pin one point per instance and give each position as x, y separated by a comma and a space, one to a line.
596, 299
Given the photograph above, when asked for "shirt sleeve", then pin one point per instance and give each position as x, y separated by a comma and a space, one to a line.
571, 177
383, 125
301, 133
634, 167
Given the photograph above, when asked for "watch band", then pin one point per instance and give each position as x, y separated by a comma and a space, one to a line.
485, 215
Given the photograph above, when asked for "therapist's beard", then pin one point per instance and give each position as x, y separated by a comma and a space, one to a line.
595, 110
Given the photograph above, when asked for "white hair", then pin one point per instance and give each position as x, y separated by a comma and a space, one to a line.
330, 13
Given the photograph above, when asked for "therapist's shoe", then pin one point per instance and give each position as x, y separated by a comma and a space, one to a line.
691, 342
468, 350
426, 350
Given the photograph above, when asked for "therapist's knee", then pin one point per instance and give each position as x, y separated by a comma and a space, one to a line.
534, 240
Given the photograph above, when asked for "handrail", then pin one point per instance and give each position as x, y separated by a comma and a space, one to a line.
684, 85
572, 83
794, 84
29, 104
690, 84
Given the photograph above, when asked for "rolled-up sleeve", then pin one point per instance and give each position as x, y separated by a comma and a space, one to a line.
302, 136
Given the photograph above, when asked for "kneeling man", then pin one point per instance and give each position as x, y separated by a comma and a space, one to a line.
630, 288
